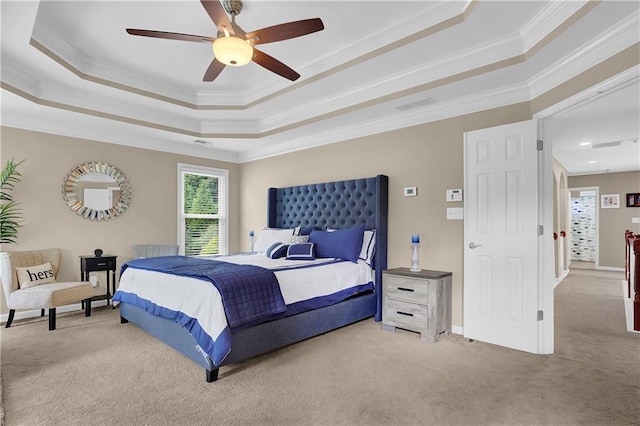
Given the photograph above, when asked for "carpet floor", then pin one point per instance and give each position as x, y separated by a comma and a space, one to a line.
98, 371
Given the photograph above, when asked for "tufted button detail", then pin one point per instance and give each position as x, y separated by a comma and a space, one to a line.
334, 204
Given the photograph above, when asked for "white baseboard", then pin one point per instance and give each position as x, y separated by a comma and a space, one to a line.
60, 309
609, 268
562, 276
457, 329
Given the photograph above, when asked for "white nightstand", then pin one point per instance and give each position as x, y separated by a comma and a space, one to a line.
417, 301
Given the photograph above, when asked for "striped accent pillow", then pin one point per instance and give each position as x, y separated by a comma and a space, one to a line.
277, 250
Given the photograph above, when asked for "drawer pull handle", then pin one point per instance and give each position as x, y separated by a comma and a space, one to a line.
101, 264
406, 289
404, 313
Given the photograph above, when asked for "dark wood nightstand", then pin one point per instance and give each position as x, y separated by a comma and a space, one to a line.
106, 262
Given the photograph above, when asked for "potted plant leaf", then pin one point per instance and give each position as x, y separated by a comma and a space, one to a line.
10, 213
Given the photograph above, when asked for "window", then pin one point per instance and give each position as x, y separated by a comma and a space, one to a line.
202, 210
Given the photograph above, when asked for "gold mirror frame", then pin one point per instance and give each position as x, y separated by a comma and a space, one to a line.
70, 190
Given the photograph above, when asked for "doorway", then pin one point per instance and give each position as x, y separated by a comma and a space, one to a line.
583, 230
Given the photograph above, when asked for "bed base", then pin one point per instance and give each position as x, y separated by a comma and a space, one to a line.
259, 339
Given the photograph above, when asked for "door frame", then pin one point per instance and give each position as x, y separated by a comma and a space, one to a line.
546, 252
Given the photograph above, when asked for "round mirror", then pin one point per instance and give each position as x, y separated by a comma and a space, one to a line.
96, 190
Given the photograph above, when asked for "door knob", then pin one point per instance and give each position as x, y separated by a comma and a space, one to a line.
473, 245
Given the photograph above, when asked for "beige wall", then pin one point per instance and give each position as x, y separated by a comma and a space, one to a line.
612, 222
151, 218
428, 156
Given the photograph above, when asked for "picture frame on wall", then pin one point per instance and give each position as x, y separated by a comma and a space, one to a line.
633, 199
610, 201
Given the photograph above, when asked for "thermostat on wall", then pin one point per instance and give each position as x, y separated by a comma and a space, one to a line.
454, 195
410, 191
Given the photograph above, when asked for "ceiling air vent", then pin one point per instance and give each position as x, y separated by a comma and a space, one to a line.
416, 104
606, 144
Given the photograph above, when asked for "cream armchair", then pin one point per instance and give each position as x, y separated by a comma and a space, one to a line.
48, 295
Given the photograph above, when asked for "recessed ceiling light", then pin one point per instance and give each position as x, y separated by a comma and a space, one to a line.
592, 162
585, 143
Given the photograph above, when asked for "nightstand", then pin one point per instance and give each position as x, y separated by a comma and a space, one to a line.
106, 262
417, 301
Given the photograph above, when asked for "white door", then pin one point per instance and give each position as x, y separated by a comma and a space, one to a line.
501, 263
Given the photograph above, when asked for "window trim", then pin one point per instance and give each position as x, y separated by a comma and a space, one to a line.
223, 202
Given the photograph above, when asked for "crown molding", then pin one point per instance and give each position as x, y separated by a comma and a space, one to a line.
102, 130
399, 30
108, 83
430, 113
16, 78
70, 58
89, 127
619, 37
552, 16
409, 81
618, 81
247, 128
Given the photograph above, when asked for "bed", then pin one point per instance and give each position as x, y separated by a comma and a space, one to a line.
339, 205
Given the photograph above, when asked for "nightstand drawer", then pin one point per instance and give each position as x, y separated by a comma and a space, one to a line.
408, 289
99, 263
405, 315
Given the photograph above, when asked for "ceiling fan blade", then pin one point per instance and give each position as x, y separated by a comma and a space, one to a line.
218, 15
170, 36
285, 31
213, 71
274, 65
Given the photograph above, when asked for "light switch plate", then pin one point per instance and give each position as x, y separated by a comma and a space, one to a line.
455, 213
635, 220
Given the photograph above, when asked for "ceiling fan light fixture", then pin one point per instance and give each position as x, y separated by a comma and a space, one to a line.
232, 51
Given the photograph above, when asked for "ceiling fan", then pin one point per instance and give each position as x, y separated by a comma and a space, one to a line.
235, 47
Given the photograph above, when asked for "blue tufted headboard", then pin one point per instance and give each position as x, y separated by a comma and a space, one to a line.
337, 205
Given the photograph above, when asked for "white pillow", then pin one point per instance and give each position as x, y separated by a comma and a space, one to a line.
269, 236
35, 275
368, 246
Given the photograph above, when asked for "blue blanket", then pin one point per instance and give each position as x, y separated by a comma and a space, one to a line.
248, 292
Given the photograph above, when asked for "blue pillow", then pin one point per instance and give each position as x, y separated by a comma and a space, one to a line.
306, 230
342, 243
277, 250
302, 251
